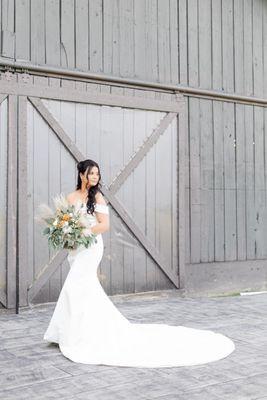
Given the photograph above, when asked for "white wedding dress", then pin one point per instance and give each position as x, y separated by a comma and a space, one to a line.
91, 330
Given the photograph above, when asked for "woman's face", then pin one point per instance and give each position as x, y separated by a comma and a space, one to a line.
93, 176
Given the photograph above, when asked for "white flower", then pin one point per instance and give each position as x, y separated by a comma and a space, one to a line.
55, 222
66, 223
67, 229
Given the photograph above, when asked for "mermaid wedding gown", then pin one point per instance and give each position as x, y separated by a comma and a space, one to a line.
91, 330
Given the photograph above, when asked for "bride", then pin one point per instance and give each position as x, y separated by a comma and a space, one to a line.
89, 328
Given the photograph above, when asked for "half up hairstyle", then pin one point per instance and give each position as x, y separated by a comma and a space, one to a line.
93, 190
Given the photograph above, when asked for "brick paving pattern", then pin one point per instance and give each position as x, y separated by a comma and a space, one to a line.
34, 369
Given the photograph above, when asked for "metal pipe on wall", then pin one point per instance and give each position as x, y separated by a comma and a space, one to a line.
107, 79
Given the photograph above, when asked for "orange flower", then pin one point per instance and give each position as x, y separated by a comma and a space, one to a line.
66, 217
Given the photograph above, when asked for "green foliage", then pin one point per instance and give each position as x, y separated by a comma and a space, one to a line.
65, 230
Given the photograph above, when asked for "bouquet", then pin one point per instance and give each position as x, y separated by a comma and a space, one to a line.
67, 227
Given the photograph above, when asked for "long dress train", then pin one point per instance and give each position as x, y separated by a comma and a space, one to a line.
91, 330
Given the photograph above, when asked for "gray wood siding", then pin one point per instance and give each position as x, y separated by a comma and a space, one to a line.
215, 44
226, 182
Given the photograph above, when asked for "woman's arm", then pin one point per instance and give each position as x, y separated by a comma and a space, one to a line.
103, 219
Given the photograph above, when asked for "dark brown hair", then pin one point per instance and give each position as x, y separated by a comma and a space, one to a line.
92, 191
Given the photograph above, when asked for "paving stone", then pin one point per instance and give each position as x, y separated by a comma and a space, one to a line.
27, 376
32, 368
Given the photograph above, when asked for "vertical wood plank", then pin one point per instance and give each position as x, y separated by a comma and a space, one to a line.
227, 46
239, 45
30, 190
139, 38
264, 35
174, 61
250, 188
257, 46
164, 42
265, 166
81, 127
23, 202
22, 26
182, 123
193, 56
241, 181
195, 165
229, 182
206, 183
183, 41
67, 34
95, 35
81, 35
8, 28
115, 39
248, 73
218, 180
37, 32
1, 50
108, 40
52, 32
216, 31
187, 209
204, 19
126, 23
3, 199
12, 202
260, 204
152, 67
93, 132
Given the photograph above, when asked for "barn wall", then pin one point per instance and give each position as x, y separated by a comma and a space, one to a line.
226, 182
208, 44
211, 44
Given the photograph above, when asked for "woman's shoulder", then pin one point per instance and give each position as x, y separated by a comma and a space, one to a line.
72, 197
100, 198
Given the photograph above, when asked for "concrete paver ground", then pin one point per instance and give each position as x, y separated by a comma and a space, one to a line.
34, 369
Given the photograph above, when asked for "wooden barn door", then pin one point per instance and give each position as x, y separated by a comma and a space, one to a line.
137, 151
137, 142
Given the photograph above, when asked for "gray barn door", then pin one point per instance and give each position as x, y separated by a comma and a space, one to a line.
137, 137
137, 152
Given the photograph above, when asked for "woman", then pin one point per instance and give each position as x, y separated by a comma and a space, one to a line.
91, 330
